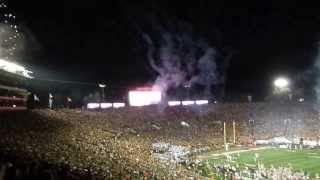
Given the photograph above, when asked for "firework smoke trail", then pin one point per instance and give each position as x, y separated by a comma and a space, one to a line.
169, 69
9, 32
181, 60
317, 83
317, 69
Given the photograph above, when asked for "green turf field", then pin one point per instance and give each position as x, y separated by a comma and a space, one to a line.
306, 160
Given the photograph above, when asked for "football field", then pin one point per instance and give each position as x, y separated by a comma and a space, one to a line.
306, 160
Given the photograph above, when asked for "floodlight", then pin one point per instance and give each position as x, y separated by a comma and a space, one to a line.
174, 103
105, 105
187, 103
281, 83
93, 105
118, 105
202, 102
14, 68
102, 85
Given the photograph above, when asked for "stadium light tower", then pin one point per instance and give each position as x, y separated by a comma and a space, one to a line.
188, 86
102, 86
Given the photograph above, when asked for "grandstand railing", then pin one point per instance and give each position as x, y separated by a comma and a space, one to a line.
12, 104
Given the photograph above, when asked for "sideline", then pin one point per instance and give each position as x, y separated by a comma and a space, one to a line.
201, 157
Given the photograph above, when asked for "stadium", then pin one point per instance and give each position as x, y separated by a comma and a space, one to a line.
180, 142
180, 123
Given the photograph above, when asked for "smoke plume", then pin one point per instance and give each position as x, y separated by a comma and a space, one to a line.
182, 60
317, 70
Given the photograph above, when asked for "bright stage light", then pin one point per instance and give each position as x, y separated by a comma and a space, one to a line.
174, 103
14, 68
105, 105
202, 102
281, 83
187, 103
144, 98
93, 105
118, 105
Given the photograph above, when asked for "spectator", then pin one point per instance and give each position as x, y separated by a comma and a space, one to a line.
36, 101
30, 101
69, 102
50, 101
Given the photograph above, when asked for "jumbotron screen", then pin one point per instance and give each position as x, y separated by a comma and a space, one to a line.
144, 97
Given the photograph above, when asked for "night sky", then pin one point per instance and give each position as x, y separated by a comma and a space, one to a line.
92, 41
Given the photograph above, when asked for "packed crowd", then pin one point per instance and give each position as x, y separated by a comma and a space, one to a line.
118, 143
286, 120
229, 170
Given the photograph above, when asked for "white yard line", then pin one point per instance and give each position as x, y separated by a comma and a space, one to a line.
318, 157
233, 152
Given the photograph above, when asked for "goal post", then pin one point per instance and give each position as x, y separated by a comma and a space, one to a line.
234, 131
225, 137
225, 134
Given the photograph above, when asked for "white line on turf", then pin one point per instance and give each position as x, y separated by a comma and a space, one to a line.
318, 157
233, 152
